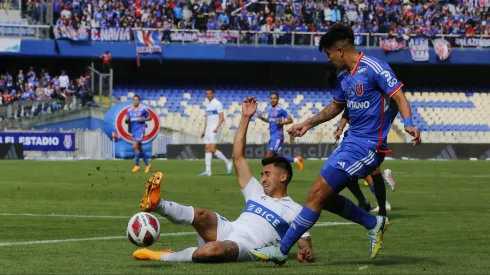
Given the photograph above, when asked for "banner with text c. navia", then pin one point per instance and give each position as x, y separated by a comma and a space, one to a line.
40, 141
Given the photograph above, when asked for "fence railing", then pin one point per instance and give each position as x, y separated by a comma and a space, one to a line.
30, 108
257, 38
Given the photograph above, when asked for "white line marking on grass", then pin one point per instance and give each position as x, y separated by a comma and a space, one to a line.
69, 216
88, 239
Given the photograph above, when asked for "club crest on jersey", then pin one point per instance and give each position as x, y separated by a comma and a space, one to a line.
359, 89
152, 129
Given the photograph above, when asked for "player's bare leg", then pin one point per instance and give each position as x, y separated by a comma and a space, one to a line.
211, 252
136, 150
208, 156
145, 159
219, 155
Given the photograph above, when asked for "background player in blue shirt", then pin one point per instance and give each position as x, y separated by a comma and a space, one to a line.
137, 117
277, 117
366, 85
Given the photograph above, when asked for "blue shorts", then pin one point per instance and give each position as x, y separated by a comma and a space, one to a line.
353, 161
138, 137
275, 145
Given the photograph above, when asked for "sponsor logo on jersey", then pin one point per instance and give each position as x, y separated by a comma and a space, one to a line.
358, 104
361, 70
278, 223
389, 79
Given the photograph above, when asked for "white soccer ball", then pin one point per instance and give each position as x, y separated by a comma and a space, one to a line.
143, 229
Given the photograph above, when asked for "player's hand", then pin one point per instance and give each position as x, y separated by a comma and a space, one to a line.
337, 134
249, 106
277, 121
202, 135
215, 130
305, 255
298, 130
259, 115
141, 119
415, 133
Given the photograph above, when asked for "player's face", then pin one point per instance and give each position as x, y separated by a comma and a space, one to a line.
136, 101
336, 56
272, 178
209, 95
274, 99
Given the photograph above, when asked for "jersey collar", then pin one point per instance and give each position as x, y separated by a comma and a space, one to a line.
357, 64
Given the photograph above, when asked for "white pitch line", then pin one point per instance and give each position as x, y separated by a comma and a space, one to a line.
88, 239
69, 216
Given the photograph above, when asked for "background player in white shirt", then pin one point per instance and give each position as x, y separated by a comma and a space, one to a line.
212, 131
266, 217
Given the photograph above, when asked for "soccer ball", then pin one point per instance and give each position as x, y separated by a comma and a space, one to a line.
143, 229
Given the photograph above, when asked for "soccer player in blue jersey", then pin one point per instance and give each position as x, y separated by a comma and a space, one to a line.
367, 85
137, 116
277, 117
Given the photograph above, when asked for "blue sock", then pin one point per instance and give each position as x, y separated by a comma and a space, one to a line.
304, 221
137, 158
290, 159
348, 210
145, 159
372, 190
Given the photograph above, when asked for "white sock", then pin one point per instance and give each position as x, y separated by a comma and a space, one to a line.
222, 157
181, 256
295, 160
175, 212
207, 159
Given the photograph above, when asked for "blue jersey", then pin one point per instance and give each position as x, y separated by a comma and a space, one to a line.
280, 113
367, 91
137, 127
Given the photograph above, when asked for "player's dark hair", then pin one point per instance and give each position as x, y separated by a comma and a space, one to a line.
275, 93
212, 90
281, 163
137, 97
338, 32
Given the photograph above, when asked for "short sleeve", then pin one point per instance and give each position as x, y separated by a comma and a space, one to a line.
387, 80
219, 107
338, 93
285, 113
253, 190
146, 113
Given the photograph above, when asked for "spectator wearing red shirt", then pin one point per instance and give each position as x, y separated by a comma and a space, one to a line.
106, 61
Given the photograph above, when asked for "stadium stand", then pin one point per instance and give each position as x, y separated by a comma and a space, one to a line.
466, 120
397, 18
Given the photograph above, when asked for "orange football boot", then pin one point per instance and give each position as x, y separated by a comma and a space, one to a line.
149, 255
135, 169
152, 193
300, 163
148, 168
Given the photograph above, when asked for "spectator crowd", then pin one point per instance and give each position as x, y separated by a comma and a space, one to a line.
40, 92
398, 17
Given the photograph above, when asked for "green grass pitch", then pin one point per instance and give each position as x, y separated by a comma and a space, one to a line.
440, 221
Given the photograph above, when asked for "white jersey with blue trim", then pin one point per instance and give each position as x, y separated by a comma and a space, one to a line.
213, 109
367, 90
265, 218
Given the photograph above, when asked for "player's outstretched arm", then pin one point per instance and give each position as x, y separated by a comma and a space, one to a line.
305, 253
243, 172
329, 112
404, 109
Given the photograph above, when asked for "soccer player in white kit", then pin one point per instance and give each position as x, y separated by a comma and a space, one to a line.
212, 130
267, 215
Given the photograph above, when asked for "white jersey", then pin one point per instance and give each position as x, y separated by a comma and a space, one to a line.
265, 218
213, 110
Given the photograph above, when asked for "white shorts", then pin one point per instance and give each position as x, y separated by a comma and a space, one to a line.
210, 137
229, 231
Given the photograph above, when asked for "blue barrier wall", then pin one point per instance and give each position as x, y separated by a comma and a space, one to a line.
89, 123
127, 50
